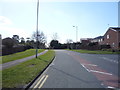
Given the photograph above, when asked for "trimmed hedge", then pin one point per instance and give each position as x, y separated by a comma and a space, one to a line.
7, 51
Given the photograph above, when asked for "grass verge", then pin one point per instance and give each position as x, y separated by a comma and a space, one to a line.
19, 55
95, 52
20, 75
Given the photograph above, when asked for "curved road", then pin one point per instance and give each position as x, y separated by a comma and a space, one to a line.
75, 70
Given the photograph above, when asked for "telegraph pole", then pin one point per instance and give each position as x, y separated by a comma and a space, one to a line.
37, 29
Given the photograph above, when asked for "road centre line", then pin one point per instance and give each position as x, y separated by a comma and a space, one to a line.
43, 81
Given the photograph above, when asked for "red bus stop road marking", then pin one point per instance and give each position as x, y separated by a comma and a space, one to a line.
108, 79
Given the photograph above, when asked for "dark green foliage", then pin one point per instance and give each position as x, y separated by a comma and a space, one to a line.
8, 42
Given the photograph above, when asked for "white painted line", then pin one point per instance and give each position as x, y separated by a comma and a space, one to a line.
85, 68
111, 60
43, 81
39, 81
90, 64
100, 72
110, 87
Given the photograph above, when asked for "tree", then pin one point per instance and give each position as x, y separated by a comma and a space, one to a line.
16, 39
69, 41
28, 40
55, 36
22, 40
54, 44
8, 42
40, 38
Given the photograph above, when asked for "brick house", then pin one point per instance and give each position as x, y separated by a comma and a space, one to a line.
112, 38
85, 41
98, 40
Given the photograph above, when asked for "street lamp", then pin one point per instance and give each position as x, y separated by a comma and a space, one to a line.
37, 29
76, 34
76, 31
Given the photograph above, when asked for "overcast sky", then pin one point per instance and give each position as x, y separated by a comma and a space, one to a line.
92, 18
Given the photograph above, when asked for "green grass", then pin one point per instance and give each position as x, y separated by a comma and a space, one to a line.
19, 55
96, 52
20, 75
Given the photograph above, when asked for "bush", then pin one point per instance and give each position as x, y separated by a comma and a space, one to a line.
8, 42
105, 46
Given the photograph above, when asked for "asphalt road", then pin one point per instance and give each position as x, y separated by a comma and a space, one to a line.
75, 70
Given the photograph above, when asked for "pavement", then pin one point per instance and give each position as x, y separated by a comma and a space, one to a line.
75, 70
13, 63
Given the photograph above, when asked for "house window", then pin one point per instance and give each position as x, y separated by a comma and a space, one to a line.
99, 40
108, 36
113, 44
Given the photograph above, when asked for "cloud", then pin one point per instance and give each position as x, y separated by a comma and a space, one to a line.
9, 31
5, 21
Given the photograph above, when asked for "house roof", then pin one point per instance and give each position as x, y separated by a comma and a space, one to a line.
99, 37
115, 28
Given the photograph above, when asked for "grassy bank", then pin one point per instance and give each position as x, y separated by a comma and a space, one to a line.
95, 52
19, 55
22, 74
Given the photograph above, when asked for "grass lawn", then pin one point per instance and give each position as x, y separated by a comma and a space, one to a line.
95, 52
19, 55
20, 75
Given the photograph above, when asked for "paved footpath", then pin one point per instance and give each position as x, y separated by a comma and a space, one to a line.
13, 63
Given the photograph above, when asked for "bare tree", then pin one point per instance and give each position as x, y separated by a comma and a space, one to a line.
69, 41
55, 36
39, 36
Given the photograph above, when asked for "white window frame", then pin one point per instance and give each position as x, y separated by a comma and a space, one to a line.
108, 36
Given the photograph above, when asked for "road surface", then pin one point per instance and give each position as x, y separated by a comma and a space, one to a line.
75, 70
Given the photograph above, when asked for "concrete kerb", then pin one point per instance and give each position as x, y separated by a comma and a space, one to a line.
28, 85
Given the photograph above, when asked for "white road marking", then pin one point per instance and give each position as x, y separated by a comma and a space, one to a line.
110, 87
39, 81
43, 81
100, 72
90, 64
83, 65
85, 68
111, 60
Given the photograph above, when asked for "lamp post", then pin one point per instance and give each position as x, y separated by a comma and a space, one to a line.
76, 34
37, 29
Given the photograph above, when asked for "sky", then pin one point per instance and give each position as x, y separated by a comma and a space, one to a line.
92, 18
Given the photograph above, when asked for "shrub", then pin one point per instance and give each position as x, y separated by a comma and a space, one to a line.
8, 42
